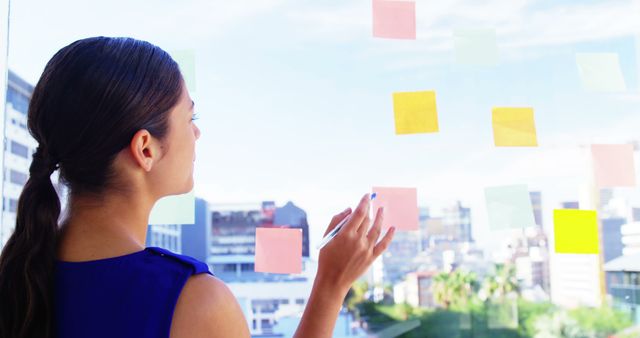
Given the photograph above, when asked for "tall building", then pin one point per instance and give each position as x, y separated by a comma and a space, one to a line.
295, 218
635, 214
458, 220
575, 280
445, 239
423, 218
571, 205
612, 238
196, 238
536, 203
165, 236
399, 259
630, 238
623, 284
19, 147
262, 296
416, 289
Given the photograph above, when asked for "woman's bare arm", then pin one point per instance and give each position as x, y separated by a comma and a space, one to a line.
341, 262
206, 308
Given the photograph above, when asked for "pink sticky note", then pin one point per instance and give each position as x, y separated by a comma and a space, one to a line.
613, 165
394, 19
278, 250
400, 207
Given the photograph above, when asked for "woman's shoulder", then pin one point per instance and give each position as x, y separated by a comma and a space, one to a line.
207, 308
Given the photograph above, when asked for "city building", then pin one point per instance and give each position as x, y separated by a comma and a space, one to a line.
295, 218
196, 238
630, 238
623, 284
400, 257
576, 280
167, 236
19, 147
458, 221
571, 205
346, 326
264, 298
612, 245
416, 289
529, 253
536, 204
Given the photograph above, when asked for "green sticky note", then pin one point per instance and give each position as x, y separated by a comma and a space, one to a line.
186, 59
415, 112
638, 59
576, 231
509, 207
600, 72
175, 209
476, 47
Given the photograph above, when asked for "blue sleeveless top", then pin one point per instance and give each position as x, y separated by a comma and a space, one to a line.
126, 296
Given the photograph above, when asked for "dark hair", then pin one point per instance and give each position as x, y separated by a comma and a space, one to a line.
91, 99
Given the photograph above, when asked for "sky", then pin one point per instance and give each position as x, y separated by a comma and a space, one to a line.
295, 97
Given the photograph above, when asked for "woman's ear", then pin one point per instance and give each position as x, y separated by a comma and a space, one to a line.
144, 150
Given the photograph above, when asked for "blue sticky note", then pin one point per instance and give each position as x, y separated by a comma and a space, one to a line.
509, 207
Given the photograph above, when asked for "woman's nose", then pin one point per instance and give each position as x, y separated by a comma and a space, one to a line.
197, 131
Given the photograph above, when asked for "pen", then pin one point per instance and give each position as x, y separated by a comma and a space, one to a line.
335, 230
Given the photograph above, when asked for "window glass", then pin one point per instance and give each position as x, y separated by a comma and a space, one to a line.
509, 131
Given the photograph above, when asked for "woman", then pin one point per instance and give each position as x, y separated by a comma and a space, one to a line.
114, 116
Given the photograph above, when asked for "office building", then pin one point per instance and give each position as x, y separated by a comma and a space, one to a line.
263, 297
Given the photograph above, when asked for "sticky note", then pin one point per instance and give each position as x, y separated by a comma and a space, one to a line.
394, 19
600, 72
476, 47
186, 59
514, 127
509, 207
400, 207
613, 165
175, 209
576, 231
278, 250
415, 112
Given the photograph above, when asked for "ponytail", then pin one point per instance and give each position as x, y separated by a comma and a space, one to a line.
27, 260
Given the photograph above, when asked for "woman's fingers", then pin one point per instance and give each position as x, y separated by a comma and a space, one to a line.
374, 233
384, 243
359, 215
336, 220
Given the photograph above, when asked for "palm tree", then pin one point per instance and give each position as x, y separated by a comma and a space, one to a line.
454, 289
503, 283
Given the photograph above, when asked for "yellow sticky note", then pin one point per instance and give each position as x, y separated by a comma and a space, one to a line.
415, 112
576, 231
514, 127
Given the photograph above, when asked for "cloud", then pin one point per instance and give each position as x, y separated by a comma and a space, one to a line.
522, 24
50, 25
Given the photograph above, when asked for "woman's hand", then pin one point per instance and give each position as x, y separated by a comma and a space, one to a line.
342, 261
353, 249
